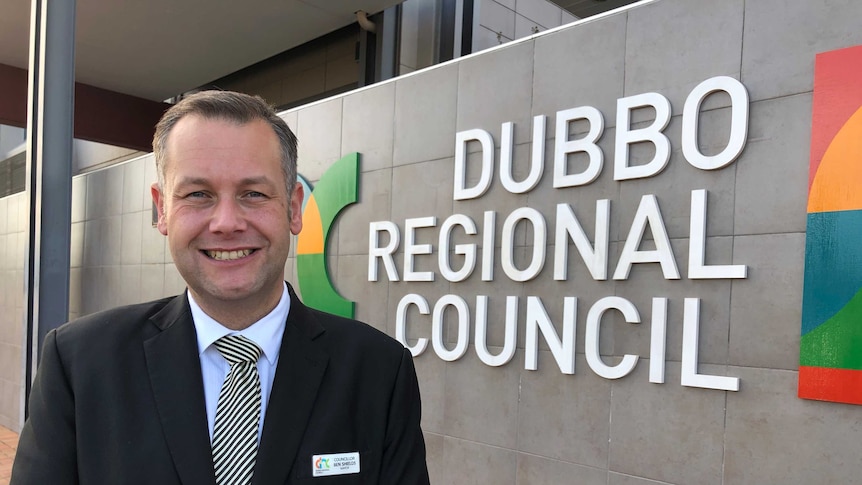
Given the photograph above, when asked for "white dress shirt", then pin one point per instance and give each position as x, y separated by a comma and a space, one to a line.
266, 333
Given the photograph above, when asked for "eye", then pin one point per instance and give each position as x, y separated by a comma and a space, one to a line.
254, 194
198, 194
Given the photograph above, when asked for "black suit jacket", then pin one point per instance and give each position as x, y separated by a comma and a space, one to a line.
118, 399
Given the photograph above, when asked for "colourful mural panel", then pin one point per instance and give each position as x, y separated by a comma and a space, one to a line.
830, 357
337, 188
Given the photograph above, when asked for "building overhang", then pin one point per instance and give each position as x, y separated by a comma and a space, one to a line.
100, 115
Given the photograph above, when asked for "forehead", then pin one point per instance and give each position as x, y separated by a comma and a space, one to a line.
196, 138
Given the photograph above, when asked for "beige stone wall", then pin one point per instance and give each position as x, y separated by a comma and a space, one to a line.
13, 224
510, 425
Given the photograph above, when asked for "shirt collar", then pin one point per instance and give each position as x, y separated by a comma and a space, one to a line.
266, 332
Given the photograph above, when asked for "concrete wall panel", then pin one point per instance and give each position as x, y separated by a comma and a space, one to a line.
665, 431
673, 45
495, 88
134, 186
373, 205
622, 479
480, 403
577, 432
487, 464
544, 13
772, 177
365, 115
319, 132
568, 62
497, 18
774, 438
535, 470
782, 37
765, 310
425, 108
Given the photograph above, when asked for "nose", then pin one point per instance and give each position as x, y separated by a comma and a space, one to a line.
227, 217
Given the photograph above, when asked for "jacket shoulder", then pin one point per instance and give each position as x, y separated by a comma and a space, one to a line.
355, 334
123, 319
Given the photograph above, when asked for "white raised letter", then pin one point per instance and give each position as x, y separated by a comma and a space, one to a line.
738, 122
648, 213
658, 340
412, 249
384, 253
540, 236
652, 133
563, 146
591, 337
489, 230
463, 327
487, 142
596, 258
511, 338
697, 270
563, 349
401, 322
537, 162
690, 338
468, 250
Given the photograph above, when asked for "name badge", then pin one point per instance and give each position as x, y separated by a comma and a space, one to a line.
335, 464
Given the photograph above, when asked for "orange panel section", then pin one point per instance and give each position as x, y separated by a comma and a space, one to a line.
310, 240
836, 183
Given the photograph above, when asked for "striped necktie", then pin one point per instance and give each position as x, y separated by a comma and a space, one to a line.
234, 443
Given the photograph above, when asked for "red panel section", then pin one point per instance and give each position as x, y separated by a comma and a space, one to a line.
114, 118
837, 95
100, 115
828, 384
13, 96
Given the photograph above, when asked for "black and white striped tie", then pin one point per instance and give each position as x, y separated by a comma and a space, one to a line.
234, 443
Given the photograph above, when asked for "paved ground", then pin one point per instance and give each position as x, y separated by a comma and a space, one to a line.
8, 445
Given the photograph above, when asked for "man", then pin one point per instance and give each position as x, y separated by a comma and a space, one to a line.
235, 381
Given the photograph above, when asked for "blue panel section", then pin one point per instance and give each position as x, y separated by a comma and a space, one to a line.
833, 265
306, 190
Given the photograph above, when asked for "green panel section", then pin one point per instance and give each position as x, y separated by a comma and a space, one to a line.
336, 189
317, 291
837, 343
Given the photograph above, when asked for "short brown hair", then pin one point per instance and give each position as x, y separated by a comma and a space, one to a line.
230, 106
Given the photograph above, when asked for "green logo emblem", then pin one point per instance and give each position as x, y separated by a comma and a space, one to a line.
337, 189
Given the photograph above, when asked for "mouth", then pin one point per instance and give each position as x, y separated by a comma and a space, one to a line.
229, 255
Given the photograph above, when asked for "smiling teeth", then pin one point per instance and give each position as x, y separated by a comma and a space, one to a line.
228, 255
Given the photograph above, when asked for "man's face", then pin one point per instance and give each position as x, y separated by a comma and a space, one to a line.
226, 211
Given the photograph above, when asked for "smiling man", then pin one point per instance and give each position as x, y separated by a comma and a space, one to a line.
228, 214
235, 381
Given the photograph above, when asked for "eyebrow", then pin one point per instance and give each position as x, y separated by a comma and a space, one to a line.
261, 180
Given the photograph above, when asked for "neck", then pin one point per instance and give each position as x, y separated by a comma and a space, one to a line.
237, 315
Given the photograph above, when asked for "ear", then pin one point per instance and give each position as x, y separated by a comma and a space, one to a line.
295, 209
159, 200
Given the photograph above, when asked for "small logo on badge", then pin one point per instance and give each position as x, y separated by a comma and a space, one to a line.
335, 464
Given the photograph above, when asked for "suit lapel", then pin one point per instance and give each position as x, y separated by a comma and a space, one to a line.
301, 365
175, 376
